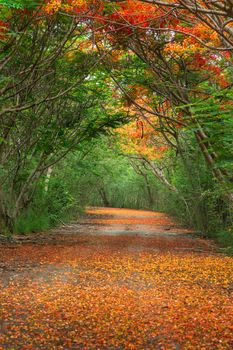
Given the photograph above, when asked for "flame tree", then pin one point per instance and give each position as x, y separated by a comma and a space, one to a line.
180, 52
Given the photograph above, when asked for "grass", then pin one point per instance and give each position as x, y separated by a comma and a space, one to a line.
225, 239
32, 221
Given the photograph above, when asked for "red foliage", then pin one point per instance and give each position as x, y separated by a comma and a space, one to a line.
3, 29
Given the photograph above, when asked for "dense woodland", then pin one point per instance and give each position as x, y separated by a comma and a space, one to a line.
116, 103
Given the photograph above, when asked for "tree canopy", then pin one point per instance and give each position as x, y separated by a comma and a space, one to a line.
151, 78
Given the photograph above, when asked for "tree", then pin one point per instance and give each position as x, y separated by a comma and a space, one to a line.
180, 74
53, 97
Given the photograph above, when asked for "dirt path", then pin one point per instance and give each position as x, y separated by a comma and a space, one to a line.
119, 279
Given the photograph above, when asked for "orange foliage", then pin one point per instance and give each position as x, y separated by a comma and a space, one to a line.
140, 138
132, 12
120, 20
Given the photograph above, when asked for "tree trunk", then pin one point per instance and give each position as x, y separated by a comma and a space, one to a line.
148, 188
103, 196
6, 221
47, 179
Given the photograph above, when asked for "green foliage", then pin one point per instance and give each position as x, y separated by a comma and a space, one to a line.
106, 178
64, 100
201, 202
61, 92
92, 175
225, 239
20, 4
33, 220
50, 207
96, 174
215, 116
